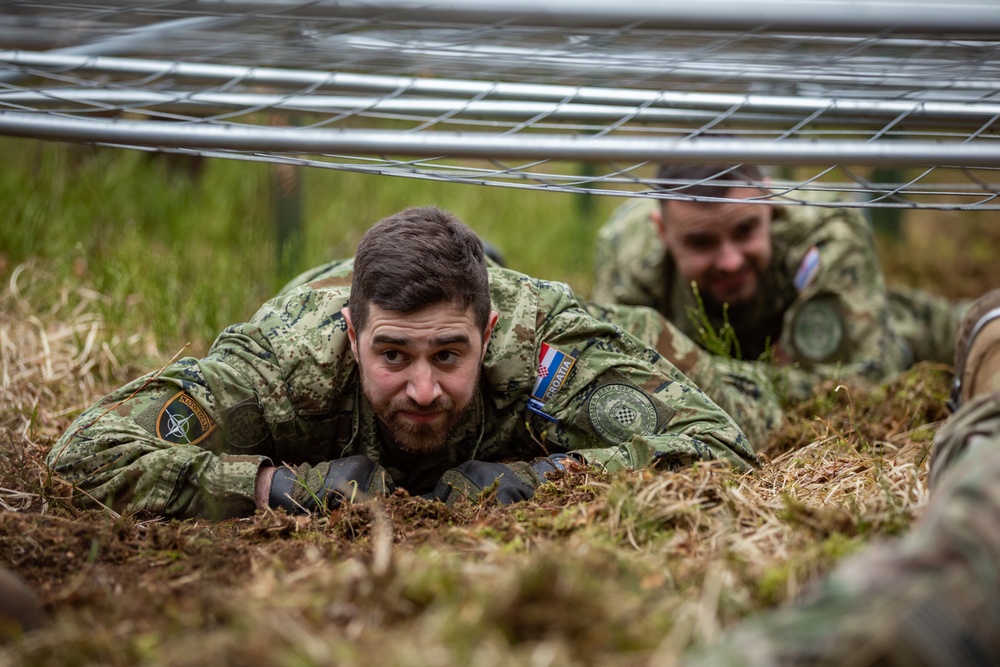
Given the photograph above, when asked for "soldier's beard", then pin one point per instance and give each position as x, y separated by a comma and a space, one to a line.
715, 308
743, 297
416, 438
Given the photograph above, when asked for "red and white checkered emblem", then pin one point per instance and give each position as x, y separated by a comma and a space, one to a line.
543, 371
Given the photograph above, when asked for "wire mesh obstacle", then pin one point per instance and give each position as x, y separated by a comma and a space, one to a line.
886, 104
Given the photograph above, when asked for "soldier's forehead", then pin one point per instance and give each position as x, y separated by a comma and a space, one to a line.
707, 216
442, 320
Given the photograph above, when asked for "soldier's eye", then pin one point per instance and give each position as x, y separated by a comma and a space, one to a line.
746, 230
699, 242
447, 356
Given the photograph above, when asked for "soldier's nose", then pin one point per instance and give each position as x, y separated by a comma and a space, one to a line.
423, 387
729, 259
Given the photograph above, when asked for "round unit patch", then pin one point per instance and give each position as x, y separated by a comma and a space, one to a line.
619, 411
244, 425
818, 330
183, 421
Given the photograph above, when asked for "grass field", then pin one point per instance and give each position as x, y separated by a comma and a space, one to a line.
111, 261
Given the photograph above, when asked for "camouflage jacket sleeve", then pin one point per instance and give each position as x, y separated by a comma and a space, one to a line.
628, 259
185, 441
621, 404
838, 327
146, 447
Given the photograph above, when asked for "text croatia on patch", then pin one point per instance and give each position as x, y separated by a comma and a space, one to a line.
553, 369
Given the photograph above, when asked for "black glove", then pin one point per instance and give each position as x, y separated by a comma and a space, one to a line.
328, 484
515, 481
556, 462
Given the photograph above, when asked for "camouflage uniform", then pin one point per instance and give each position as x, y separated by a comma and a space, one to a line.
933, 598
823, 301
188, 441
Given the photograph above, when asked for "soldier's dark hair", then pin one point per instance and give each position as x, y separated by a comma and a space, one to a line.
708, 180
419, 257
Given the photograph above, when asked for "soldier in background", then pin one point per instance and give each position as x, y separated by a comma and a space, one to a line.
801, 286
932, 599
413, 366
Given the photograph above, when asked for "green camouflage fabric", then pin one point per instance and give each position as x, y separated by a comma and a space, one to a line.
929, 599
743, 389
842, 324
188, 441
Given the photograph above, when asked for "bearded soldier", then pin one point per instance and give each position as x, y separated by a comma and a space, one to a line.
412, 365
800, 286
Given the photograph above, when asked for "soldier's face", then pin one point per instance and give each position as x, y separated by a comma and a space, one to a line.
420, 370
725, 248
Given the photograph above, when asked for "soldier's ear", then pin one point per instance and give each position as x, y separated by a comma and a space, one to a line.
657, 217
352, 335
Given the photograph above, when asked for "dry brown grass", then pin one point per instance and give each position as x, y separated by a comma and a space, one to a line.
613, 570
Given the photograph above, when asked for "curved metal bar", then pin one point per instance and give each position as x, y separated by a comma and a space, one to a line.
519, 146
968, 17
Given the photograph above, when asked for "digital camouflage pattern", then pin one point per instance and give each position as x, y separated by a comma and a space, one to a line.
930, 599
742, 389
188, 440
823, 302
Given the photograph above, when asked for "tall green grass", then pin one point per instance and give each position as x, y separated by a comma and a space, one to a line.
184, 249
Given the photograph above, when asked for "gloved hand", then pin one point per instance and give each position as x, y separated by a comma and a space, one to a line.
515, 481
328, 484
556, 462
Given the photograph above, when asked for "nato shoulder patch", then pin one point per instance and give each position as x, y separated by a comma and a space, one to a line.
619, 411
818, 330
182, 421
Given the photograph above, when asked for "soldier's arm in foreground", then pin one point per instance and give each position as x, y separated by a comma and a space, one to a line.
186, 441
147, 447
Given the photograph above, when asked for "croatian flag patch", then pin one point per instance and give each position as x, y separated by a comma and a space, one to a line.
807, 269
553, 368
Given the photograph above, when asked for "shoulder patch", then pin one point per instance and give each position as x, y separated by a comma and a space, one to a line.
619, 411
818, 330
182, 421
245, 426
808, 270
553, 368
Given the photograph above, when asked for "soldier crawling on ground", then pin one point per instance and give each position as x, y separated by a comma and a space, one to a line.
800, 286
412, 365
806, 279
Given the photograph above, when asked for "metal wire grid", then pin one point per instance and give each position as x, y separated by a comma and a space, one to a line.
526, 94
